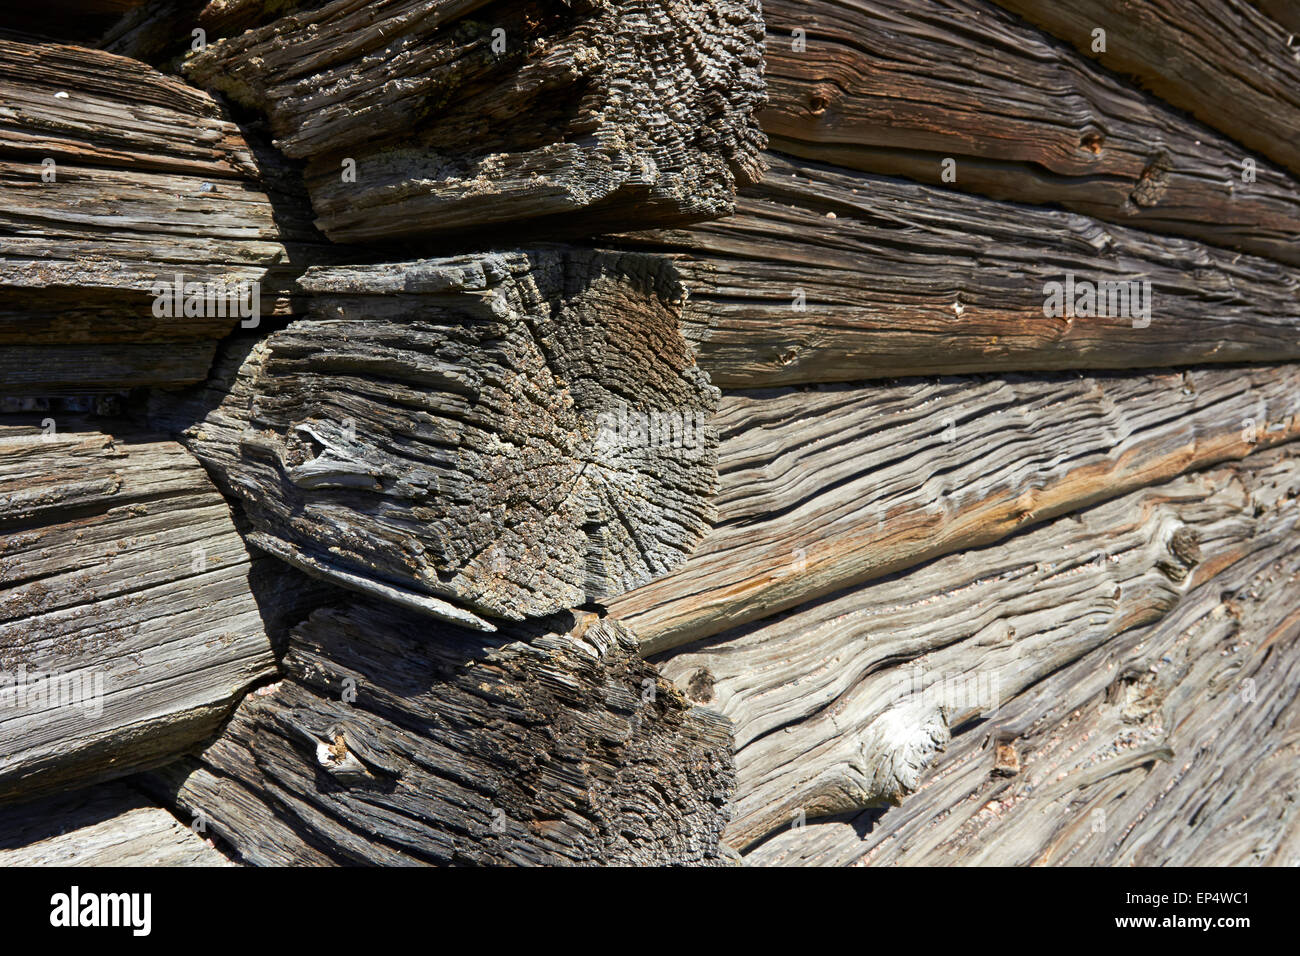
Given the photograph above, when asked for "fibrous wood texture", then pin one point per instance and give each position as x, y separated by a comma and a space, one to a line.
900, 86
455, 748
826, 274
825, 488
129, 626
1173, 744
457, 114
1223, 61
113, 179
106, 825
503, 435
868, 685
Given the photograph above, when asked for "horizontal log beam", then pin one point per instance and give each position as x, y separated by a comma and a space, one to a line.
828, 488
826, 274
901, 86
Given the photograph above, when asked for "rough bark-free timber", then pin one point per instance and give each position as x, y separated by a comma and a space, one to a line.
453, 747
503, 435
1173, 745
904, 86
417, 117
113, 179
107, 825
129, 623
1223, 61
843, 703
826, 274
832, 487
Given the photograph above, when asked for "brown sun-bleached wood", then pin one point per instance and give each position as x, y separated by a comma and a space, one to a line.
489, 436
1173, 745
825, 488
396, 741
1223, 61
586, 115
845, 703
150, 181
111, 824
827, 274
132, 617
899, 86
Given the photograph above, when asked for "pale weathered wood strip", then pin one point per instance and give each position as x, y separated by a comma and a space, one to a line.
827, 488
459, 114
498, 435
129, 622
1172, 745
529, 748
844, 703
1223, 61
900, 86
107, 825
827, 274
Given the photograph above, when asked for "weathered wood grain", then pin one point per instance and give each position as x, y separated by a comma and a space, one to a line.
529, 748
149, 181
822, 489
129, 619
504, 435
900, 86
1173, 745
107, 825
460, 114
826, 274
1223, 61
843, 704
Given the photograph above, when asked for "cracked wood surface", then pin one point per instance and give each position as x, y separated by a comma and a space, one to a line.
897, 86
1224, 61
825, 488
150, 181
899, 278
584, 115
1174, 745
525, 748
129, 622
106, 825
845, 703
503, 435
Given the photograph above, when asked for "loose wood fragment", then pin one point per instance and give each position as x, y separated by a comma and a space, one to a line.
502, 435
828, 488
962, 94
129, 610
1223, 61
1174, 744
418, 117
393, 741
107, 825
843, 704
826, 274
114, 181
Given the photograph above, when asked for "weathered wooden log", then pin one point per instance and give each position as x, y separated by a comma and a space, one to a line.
1285, 13
107, 825
961, 93
844, 703
826, 274
118, 183
828, 488
1223, 61
418, 117
130, 622
392, 741
504, 435
1173, 744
